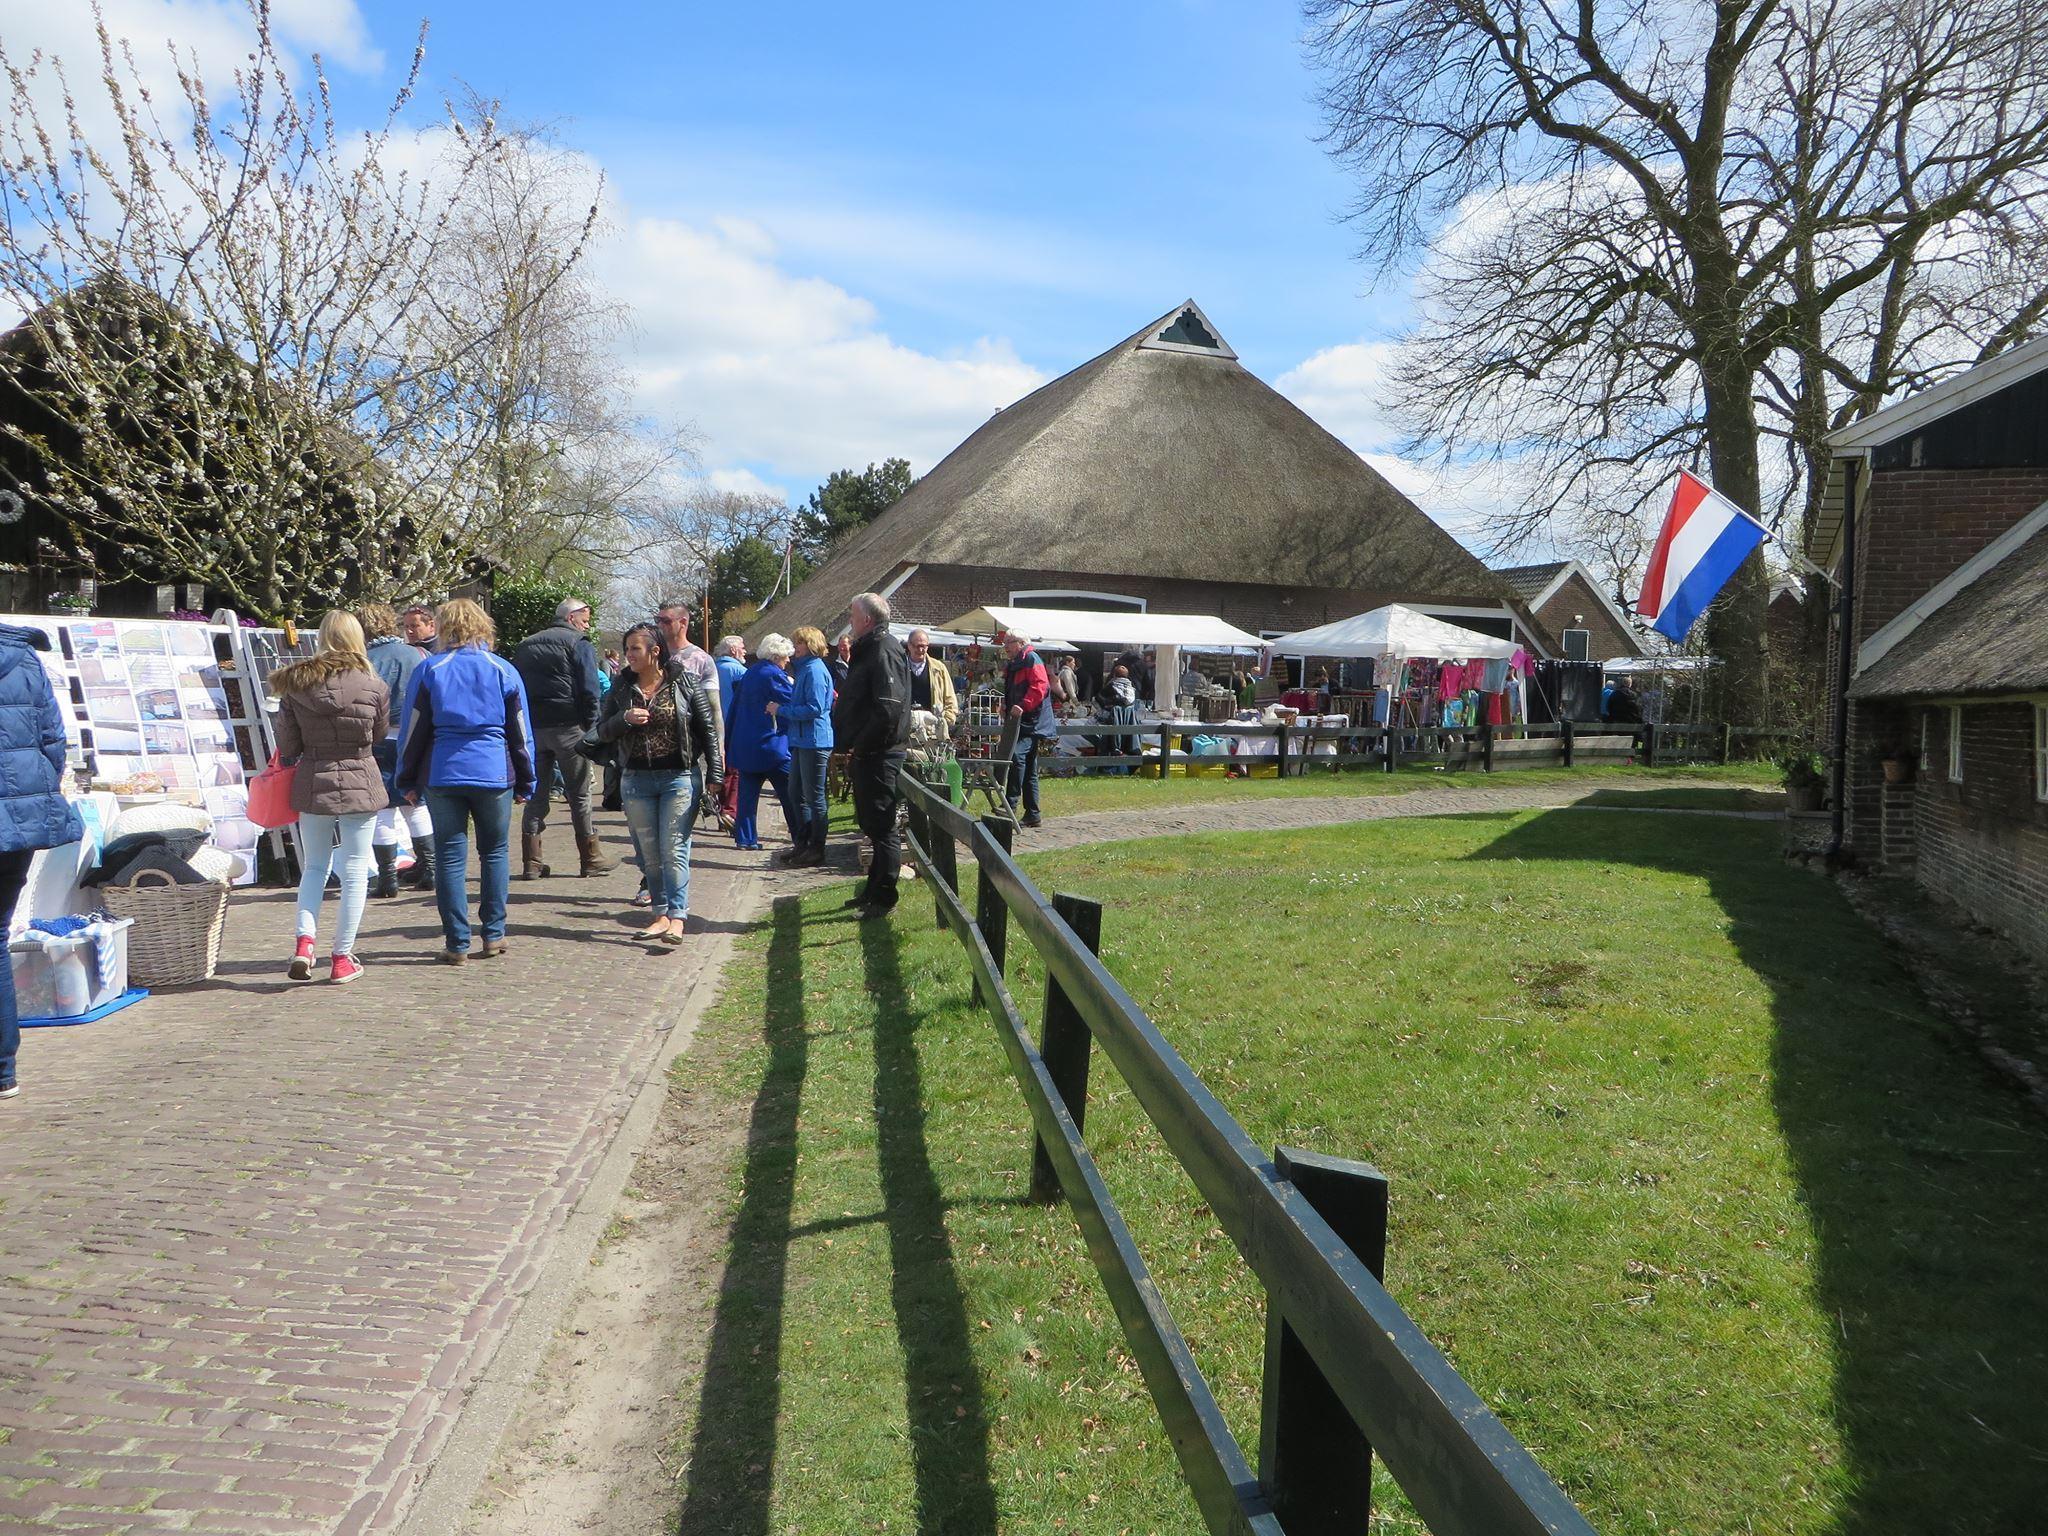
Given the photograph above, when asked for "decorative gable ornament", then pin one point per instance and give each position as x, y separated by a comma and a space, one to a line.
1188, 330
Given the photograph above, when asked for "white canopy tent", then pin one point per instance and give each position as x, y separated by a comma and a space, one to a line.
1395, 630
1168, 633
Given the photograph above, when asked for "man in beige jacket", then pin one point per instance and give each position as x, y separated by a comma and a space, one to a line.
931, 685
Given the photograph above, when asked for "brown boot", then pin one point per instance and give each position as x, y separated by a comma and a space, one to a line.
593, 855
531, 867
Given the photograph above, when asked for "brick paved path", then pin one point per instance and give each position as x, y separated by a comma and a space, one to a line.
257, 1239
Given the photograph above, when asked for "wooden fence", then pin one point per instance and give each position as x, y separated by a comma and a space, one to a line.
1347, 1372
1299, 749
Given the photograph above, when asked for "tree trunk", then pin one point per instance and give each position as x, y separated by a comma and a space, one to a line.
1735, 623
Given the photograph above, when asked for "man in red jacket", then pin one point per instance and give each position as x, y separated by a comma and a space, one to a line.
1027, 696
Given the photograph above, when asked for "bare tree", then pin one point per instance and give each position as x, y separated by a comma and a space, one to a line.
681, 541
243, 353
1661, 232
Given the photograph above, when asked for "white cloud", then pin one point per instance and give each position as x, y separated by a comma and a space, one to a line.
745, 482
783, 370
216, 33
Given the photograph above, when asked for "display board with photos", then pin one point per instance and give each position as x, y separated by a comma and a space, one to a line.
155, 705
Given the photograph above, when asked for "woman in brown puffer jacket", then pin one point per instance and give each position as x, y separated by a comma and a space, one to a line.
332, 710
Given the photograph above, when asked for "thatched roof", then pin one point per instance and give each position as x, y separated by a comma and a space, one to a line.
1987, 637
1163, 457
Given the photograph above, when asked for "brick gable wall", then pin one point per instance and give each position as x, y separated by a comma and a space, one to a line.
1608, 638
1920, 524
1983, 843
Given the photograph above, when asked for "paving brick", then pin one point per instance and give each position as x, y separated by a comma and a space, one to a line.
261, 1238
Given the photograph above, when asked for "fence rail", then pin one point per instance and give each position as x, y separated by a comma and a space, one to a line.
1347, 1371
1298, 749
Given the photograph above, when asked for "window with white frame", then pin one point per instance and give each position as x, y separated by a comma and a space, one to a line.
1955, 743
2041, 751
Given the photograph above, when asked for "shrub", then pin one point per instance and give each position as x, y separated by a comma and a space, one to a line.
523, 604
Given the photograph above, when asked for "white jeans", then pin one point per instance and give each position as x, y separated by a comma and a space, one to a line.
341, 843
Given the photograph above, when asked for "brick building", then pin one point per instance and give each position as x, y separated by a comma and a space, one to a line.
1938, 511
1161, 476
1565, 597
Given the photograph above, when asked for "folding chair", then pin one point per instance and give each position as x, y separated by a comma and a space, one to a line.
989, 776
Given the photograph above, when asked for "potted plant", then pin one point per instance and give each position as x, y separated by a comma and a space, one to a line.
68, 604
1806, 777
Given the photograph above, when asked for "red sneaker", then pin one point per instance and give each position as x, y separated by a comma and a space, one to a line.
302, 960
344, 968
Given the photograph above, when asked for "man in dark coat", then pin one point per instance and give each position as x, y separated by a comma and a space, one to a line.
871, 721
558, 665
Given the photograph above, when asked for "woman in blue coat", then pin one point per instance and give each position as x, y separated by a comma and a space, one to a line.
33, 811
808, 717
755, 741
465, 747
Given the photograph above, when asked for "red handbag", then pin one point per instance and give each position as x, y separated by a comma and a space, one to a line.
270, 795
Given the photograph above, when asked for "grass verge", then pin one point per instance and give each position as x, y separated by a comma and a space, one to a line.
1685, 1182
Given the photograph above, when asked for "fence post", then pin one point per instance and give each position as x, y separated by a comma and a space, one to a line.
1486, 747
1650, 745
1165, 749
991, 916
1393, 749
1315, 1464
1280, 750
1063, 1041
1564, 734
945, 870
1727, 741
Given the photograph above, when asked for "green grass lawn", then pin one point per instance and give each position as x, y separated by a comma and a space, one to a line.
1685, 1183
1749, 786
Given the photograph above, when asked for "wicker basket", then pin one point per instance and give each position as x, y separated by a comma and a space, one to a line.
176, 937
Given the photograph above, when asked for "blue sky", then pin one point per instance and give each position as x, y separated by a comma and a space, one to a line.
848, 232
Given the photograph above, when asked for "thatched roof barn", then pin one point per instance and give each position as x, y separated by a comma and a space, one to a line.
1162, 474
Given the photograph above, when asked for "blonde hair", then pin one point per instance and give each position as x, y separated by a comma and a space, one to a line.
462, 621
378, 620
810, 640
775, 648
341, 634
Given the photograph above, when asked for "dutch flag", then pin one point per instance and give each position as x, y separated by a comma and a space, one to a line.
1706, 536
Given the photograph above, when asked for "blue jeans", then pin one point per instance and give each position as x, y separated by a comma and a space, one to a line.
661, 812
452, 810
807, 789
343, 844
1024, 776
13, 876
744, 832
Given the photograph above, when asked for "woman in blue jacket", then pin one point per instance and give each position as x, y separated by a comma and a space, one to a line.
33, 811
808, 717
466, 748
755, 741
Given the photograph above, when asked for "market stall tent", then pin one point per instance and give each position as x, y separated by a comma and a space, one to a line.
1168, 633
1395, 630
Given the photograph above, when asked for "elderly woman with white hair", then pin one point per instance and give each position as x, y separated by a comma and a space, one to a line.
756, 742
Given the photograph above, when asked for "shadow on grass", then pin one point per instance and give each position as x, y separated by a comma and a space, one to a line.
942, 1390
732, 1457
1923, 1179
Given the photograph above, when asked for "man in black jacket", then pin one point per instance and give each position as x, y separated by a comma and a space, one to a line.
871, 721
559, 667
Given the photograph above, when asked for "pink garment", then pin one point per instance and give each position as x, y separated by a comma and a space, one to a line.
1475, 675
1496, 709
1519, 664
1450, 680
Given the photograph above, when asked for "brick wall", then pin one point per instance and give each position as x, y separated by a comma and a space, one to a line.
1575, 599
1983, 843
1920, 524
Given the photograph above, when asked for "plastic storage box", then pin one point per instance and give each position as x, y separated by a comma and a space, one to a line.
59, 978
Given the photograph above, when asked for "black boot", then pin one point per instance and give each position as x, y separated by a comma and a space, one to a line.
385, 881
422, 876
